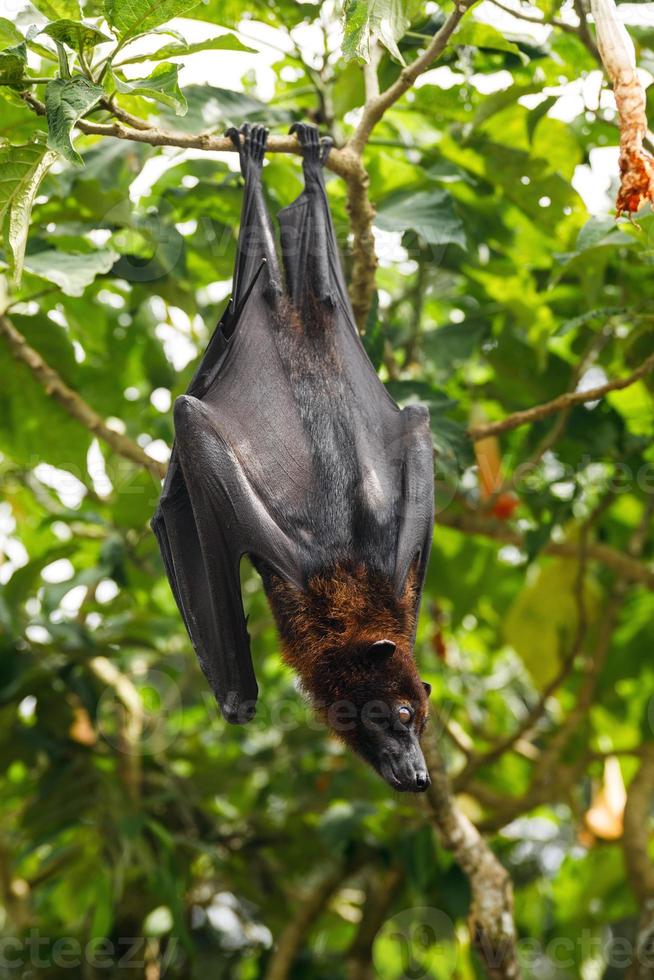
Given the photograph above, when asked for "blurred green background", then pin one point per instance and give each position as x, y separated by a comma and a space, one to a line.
129, 809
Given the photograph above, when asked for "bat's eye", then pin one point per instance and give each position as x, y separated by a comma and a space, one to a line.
404, 714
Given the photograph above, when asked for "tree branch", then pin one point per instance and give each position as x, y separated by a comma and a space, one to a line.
551, 438
581, 29
490, 917
74, 404
345, 162
376, 106
560, 403
360, 208
361, 212
339, 161
624, 565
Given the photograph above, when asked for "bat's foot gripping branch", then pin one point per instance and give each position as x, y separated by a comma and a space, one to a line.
252, 146
315, 149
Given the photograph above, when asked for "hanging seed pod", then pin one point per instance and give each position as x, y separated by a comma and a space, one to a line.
619, 58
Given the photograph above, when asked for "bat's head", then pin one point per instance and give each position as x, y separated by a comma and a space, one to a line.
350, 639
382, 711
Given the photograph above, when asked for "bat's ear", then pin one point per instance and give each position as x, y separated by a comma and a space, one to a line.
382, 648
427, 687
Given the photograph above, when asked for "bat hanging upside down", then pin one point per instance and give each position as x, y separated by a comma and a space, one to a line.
288, 449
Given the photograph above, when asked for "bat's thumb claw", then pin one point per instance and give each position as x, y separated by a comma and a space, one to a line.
234, 135
326, 144
237, 712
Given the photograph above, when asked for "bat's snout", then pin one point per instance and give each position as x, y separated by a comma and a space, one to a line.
405, 771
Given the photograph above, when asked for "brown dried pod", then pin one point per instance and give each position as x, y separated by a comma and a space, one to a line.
619, 58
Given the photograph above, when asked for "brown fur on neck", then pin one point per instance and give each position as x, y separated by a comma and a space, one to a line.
327, 632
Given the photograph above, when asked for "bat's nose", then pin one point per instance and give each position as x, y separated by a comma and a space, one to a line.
422, 780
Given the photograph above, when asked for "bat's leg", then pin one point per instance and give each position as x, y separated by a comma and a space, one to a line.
256, 240
311, 259
256, 260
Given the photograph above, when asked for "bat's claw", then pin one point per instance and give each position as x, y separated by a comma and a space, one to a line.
237, 712
256, 138
326, 143
250, 141
234, 135
308, 138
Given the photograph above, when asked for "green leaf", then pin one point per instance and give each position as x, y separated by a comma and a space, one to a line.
430, 213
71, 271
162, 86
453, 343
210, 107
13, 62
45, 431
76, 35
17, 126
131, 17
9, 35
367, 21
478, 35
601, 230
602, 313
225, 42
541, 624
58, 9
538, 113
66, 101
22, 168
506, 97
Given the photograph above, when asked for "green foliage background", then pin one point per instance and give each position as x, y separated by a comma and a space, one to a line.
129, 808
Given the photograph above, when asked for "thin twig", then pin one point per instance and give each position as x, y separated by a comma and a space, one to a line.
626, 566
551, 438
533, 716
339, 161
560, 403
375, 108
57, 388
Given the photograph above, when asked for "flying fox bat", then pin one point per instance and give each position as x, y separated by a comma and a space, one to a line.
288, 449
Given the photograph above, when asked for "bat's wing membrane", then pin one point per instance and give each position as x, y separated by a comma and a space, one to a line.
209, 516
200, 576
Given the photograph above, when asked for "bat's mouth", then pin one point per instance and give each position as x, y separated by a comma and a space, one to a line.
406, 777
388, 773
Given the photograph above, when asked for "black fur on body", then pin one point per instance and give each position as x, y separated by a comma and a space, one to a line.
337, 520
